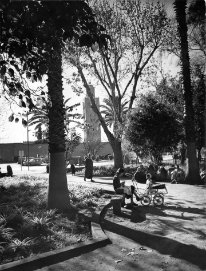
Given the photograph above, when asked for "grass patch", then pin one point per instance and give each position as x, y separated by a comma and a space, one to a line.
28, 228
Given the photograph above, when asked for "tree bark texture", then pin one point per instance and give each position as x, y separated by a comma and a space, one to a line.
192, 176
58, 196
118, 157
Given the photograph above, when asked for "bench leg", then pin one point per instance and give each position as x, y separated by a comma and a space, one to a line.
116, 203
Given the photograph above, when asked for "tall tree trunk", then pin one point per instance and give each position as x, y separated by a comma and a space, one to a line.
193, 175
117, 150
58, 196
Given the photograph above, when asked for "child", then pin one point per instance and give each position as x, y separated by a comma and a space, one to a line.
148, 183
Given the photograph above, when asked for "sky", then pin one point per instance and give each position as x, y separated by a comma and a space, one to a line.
15, 132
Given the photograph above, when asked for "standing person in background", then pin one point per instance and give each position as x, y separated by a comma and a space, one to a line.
88, 168
9, 171
73, 169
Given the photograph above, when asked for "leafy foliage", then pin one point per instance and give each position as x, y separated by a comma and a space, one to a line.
137, 30
196, 24
153, 128
39, 116
198, 83
29, 35
71, 143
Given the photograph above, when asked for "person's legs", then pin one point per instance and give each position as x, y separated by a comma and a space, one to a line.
123, 201
133, 193
120, 191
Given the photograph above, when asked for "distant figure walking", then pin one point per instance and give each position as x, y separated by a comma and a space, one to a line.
73, 169
9, 171
88, 168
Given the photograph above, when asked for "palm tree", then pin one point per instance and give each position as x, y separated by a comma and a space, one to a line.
193, 176
39, 116
111, 111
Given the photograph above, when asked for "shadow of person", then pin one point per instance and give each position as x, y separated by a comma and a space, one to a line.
135, 215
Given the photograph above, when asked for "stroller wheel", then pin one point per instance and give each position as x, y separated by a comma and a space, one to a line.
145, 201
158, 200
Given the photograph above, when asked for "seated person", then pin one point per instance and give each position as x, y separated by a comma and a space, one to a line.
153, 171
140, 175
120, 188
177, 175
162, 174
169, 172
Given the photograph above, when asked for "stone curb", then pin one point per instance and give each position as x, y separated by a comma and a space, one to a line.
48, 258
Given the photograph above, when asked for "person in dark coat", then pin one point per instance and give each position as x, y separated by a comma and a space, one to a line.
9, 171
73, 169
162, 174
88, 168
140, 175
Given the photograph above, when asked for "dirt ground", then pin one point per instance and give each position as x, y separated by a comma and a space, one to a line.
170, 238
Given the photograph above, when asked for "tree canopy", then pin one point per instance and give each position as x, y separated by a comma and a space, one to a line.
153, 128
137, 30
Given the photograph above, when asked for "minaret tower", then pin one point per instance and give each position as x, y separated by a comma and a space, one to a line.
93, 130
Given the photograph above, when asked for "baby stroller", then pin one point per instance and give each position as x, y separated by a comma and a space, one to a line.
155, 195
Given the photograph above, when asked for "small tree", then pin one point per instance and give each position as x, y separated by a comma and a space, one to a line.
153, 128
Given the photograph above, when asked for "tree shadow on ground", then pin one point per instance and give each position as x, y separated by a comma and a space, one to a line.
191, 210
162, 244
